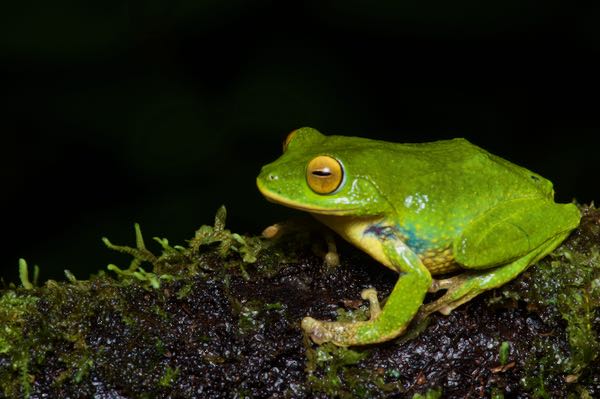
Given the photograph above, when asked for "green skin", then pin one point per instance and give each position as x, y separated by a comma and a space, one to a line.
422, 209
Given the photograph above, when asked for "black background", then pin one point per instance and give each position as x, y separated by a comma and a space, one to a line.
160, 111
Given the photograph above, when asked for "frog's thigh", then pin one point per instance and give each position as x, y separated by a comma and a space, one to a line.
511, 230
513, 236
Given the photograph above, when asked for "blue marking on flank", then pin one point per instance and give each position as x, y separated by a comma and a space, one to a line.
382, 231
407, 234
417, 244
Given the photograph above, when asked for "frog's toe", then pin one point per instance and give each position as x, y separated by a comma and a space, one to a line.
332, 259
272, 231
444, 284
435, 286
446, 307
327, 331
316, 330
456, 295
370, 294
313, 328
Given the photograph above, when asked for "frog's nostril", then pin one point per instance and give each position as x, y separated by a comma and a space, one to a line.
272, 177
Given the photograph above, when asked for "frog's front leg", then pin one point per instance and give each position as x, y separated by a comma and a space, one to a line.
295, 225
400, 308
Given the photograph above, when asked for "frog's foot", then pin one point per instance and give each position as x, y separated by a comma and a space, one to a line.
330, 256
341, 333
299, 225
347, 333
325, 331
385, 323
273, 231
446, 283
456, 296
332, 259
466, 286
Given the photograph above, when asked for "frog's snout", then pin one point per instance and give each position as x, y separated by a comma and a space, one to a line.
264, 179
267, 175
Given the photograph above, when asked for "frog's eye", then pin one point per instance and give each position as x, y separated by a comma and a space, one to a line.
289, 138
324, 174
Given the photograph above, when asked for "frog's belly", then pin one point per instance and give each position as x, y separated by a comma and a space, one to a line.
358, 231
439, 261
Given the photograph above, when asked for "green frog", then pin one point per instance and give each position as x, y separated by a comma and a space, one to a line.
422, 210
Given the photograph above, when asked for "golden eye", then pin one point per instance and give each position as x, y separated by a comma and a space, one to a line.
324, 174
289, 138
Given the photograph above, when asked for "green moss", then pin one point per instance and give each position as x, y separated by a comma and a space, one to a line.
335, 379
247, 247
360, 314
70, 309
24, 275
336, 372
177, 262
503, 353
85, 364
435, 393
169, 377
15, 344
565, 288
496, 393
247, 314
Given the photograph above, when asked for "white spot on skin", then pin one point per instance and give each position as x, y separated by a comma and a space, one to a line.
463, 246
352, 195
418, 202
403, 251
401, 247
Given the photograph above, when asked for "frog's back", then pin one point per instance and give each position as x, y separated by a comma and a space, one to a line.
460, 164
434, 190
450, 183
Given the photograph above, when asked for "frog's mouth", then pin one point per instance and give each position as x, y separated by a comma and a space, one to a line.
279, 199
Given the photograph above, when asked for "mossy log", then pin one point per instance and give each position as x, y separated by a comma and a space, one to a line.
219, 317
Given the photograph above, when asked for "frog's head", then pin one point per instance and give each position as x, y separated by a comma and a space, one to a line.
331, 175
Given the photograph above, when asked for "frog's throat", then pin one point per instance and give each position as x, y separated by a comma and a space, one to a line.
278, 199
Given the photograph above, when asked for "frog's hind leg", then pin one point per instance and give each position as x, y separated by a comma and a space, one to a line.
466, 286
499, 244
